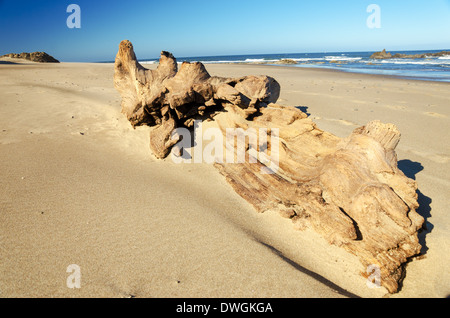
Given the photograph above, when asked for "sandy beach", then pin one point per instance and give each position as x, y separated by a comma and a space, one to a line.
80, 186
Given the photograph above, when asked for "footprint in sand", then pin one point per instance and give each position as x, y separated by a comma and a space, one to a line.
356, 101
435, 115
347, 123
341, 121
396, 107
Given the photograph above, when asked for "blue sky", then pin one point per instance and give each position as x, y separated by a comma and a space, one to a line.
220, 27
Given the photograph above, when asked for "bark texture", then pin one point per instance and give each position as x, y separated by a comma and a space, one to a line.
349, 190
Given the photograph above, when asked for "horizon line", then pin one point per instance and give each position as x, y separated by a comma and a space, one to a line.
261, 54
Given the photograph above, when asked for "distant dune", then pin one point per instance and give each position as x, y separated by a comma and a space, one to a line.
40, 57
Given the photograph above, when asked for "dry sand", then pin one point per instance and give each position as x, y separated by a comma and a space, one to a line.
79, 186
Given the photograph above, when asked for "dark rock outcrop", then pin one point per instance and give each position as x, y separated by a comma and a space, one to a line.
286, 62
381, 55
40, 57
384, 55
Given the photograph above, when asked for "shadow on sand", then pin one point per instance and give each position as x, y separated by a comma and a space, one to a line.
310, 273
303, 109
411, 169
8, 62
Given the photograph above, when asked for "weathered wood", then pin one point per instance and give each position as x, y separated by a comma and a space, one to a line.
349, 190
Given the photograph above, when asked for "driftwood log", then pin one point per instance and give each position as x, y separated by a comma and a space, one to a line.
349, 190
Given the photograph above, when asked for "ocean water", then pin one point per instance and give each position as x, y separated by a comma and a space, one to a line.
432, 68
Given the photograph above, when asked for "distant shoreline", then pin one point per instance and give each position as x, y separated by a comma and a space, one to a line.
249, 64
190, 58
433, 68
